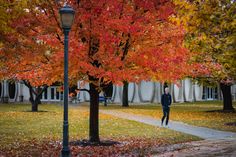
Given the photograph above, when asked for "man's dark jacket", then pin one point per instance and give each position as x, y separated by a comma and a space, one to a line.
166, 100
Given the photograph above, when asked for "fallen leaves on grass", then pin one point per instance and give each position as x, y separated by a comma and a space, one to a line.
124, 147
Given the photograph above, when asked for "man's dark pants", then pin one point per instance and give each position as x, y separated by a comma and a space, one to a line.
166, 111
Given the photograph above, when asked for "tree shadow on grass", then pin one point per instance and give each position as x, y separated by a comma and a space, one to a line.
221, 111
231, 124
84, 143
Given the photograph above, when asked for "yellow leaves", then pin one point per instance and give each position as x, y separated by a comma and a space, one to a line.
203, 36
210, 28
183, 7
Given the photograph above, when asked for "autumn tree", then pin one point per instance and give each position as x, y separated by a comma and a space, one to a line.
210, 34
8, 10
23, 57
24, 63
110, 41
123, 41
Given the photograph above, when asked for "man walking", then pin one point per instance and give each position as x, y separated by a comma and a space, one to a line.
166, 102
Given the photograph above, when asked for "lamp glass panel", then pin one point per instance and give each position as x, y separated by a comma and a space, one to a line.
67, 19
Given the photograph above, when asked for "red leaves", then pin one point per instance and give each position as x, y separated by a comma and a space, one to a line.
145, 4
165, 10
125, 147
130, 40
32, 148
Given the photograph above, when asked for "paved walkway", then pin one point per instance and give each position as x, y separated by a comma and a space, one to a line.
204, 148
217, 143
202, 132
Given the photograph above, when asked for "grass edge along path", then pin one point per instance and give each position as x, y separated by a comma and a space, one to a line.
200, 132
204, 114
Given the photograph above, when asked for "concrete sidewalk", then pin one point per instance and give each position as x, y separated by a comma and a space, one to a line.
202, 132
203, 148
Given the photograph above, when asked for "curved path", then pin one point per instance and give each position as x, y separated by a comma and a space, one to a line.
201, 132
216, 143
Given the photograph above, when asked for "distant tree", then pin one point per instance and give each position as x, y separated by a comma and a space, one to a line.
23, 57
210, 33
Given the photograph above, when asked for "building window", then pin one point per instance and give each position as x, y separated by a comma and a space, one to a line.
41, 96
52, 93
209, 93
216, 93
57, 95
12, 90
204, 93
45, 94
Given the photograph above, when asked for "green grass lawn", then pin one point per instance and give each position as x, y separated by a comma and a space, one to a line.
21, 130
204, 114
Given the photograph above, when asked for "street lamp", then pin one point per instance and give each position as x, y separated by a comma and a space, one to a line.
66, 16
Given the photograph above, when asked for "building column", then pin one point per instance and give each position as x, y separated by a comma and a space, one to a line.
200, 92
20, 87
136, 94
140, 92
156, 94
194, 92
172, 86
190, 93
181, 92
1, 93
233, 92
5, 92
219, 92
184, 91
160, 92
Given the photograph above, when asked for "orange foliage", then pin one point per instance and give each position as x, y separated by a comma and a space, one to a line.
110, 41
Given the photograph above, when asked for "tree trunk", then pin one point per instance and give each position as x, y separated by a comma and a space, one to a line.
94, 114
105, 100
125, 98
35, 95
34, 106
34, 102
227, 97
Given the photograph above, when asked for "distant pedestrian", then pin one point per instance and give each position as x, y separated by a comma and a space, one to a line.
166, 102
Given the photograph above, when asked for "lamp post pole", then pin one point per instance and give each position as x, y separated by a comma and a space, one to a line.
65, 149
67, 17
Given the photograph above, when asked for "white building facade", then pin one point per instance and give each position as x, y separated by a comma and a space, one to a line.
144, 92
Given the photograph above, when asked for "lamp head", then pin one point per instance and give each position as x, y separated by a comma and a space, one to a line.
66, 16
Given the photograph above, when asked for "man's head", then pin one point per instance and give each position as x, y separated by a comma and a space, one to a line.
166, 90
